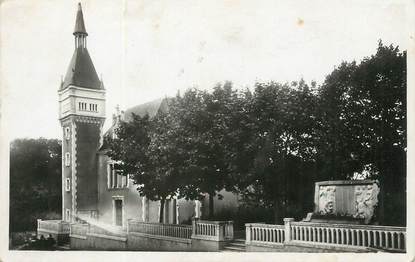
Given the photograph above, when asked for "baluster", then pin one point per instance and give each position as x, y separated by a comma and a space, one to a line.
380, 239
295, 235
353, 239
393, 239
387, 239
274, 235
327, 235
369, 238
399, 241
278, 236
338, 235
364, 237
267, 231
318, 234
332, 235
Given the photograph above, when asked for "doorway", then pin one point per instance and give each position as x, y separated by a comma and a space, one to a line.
118, 212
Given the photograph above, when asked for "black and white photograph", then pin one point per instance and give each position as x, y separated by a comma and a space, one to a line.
227, 129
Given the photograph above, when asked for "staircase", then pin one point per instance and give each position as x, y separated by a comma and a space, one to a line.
237, 245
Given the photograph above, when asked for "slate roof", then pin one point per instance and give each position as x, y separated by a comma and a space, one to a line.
81, 71
79, 24
151, 108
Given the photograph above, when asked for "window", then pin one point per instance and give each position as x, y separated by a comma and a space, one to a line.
82, 106
67, 133
67, 159
93, 107
115, 178
68, 215
68, 184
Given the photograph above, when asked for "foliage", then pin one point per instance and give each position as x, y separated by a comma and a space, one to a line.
204, 120
142, 150
35, 182
363, 125
282, 138
272, 143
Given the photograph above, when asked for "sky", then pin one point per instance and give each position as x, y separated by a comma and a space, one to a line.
148, 49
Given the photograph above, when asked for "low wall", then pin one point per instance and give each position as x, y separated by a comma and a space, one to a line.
301, 248
206, 245
265, 247
78, 242
105, 242
146, 242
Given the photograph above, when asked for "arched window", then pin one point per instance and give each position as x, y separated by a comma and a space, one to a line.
67, 159
68, 215
67, 133
67, 184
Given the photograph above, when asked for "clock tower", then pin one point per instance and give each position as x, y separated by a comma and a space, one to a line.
82, 115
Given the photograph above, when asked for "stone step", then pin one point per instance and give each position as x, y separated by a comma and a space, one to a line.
239, 240
234, 249
237, 244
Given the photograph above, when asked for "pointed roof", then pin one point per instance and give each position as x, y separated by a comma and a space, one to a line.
79, 24
81, 71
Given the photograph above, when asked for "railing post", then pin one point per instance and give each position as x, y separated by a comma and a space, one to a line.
194, 226
229, 225
220, 231
287, 231
248, 228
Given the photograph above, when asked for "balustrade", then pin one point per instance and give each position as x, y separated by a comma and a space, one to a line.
264, 233
382, 237
213, 230
168, 230
53, 226
341, 235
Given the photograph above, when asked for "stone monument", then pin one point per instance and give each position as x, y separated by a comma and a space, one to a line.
345, 201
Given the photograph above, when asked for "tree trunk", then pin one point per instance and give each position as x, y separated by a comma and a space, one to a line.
161, 214
211, 208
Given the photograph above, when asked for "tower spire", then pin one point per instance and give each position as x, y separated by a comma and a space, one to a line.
80, 31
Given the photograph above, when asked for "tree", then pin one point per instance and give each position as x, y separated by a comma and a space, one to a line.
142, 149
282, 138
202, 118
35, 181
364, 125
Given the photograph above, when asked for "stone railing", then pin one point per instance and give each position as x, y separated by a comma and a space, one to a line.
378, 237
167, 230
53, 226
264, 233
326, 235
212, 230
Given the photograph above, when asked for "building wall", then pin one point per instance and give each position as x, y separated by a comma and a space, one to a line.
87, 143
66, 170
228, 204
133, 202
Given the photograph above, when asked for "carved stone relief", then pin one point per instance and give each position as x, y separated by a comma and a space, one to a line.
366, 201
327, 200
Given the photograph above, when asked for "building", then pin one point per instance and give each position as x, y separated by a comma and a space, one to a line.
92, 187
